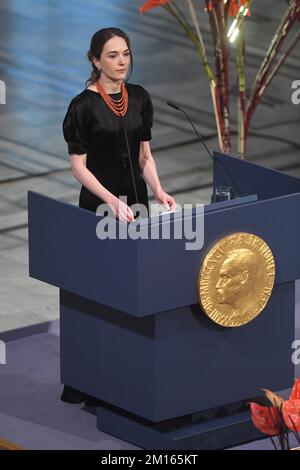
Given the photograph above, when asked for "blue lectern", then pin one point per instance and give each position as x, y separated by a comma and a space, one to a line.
133, 334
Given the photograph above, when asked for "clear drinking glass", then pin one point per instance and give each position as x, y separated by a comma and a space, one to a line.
223, 193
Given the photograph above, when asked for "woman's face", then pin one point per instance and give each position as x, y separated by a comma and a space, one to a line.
115, 59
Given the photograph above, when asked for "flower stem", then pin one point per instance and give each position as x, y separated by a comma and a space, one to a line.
189, 32
241, 94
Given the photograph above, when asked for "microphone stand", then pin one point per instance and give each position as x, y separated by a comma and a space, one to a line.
227, 176
131, 166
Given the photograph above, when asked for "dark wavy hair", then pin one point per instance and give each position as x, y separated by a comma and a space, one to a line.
96, 47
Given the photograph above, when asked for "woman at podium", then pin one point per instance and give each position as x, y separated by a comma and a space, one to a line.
108, 128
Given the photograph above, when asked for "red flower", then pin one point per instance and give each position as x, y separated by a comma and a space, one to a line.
295, 394
291, 414
266, 418
212, 4
235, 6
152, 3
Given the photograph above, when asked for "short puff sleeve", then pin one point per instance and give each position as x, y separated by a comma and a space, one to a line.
147, 116
76, 126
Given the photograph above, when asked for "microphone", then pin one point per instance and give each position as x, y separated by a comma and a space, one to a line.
227, 177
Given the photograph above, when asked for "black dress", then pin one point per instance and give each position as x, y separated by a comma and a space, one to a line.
91, 127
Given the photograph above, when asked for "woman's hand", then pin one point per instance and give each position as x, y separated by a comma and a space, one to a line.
121, 210
164, 198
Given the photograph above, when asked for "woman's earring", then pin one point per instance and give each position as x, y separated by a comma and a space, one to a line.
100, 70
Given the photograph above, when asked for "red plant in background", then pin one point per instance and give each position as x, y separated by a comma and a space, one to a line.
226, 20
233, 6
291, 414
278, 419
152, 3
295, 394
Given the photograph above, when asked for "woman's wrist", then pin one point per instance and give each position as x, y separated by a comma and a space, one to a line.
157, 191
110, 198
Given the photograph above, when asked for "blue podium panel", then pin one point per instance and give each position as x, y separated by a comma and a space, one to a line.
177, 362
273, 220
143, 277
64, 251
248, 178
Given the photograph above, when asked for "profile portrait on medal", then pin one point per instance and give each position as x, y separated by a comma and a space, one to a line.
236, 279
236, 282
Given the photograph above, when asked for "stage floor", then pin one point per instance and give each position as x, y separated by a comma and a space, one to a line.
31, 413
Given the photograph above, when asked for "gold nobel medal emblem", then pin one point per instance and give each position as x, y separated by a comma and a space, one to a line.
236, 279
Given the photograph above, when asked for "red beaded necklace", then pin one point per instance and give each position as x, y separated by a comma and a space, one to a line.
120, 106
